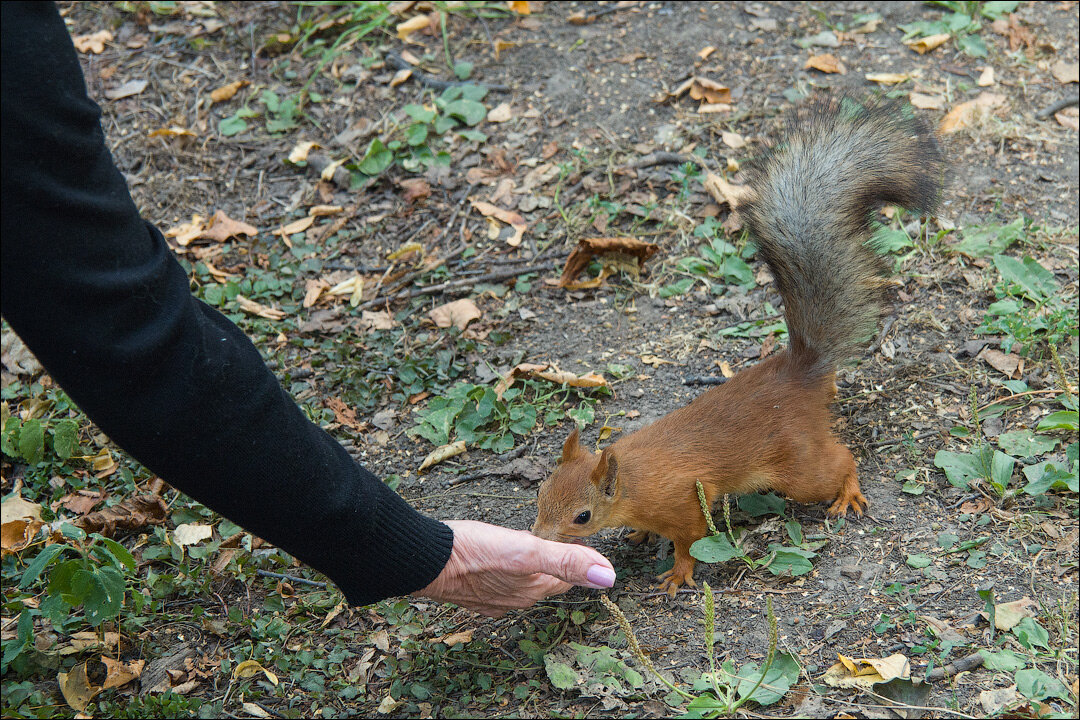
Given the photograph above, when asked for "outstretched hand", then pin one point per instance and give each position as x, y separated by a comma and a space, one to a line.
493, 569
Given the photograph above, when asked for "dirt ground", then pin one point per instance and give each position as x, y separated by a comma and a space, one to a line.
592, 90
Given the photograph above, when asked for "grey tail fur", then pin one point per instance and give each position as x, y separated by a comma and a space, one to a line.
816, 195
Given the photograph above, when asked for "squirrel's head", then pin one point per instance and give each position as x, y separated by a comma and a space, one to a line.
579, 497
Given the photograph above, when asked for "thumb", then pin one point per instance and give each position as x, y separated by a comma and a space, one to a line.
574, 564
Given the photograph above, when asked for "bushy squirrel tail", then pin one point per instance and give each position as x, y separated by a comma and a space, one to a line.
816, 194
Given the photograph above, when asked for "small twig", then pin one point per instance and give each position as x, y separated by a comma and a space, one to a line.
290, 578
1046, 391
897, 441
704, 380
427, 81
885, 328
453, 284
1058, 106
666, 158
969, 662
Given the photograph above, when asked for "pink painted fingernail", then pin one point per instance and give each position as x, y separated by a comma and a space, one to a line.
601, 576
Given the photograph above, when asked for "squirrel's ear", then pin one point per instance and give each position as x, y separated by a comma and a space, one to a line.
606, 474
572, 447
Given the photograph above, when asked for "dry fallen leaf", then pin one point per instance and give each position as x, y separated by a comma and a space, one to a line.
220, 227
407, 28
511, 218
627, 252
724, 192
253, 308
299, 153
1068, 118
131, 87
227, 92
465, 636
733, 140
20, 521
656, 361
550, 373
192, 533
500, 113
1008, 615
415, 189
709, 91
131, 514
706, 51
887, 78
93, 43
401, 76
521, 7
966, 114
80, 502
866, 672
296, 226
1065, 72
254, 710
251, 668
376, 320
986, 77
927, 102
118, 673
1010, 365
826, 63
324, 210
442, 453
458, 313
76, 687
173, 131
926, 44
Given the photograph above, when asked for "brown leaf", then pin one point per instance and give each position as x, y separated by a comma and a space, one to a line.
458, 313
710, 91
401, 76
887, 78
500, 113
20, 521
345, 414
415, 189
726, 193
300, 151
1068, 118
1008, 615
866, 672
413, 24
227, 92
927, 102
296, 226
441, 454
93, 43
76, 687
376, 320
589, 248
119, 673
324, 210
1065, 72
986, 77
258, 309
550, 373
451, 639
926, 44
826, 63
509, 217
1009, 364
966, 114
131, 514
313, 288
81, 502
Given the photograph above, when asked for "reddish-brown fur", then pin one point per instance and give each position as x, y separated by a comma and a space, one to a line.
768, 428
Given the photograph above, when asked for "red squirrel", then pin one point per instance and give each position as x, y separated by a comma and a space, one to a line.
769, 427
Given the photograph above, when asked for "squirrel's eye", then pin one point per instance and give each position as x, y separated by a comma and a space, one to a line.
583, 517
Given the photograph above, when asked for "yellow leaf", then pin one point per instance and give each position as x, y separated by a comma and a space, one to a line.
509, 217
227, 92
866, 672
253, 308
986, 77
119, 673
296, 226
328, 172
174, 131
324, 210
251, 668
77, 689
299, 153
926, 44
407, 28
400, 76
442, 453
405, 250
826, 63
93, 43
887, 78
521, 7
705, 52
20, 521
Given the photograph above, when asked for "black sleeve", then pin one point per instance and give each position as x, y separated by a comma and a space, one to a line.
96, 294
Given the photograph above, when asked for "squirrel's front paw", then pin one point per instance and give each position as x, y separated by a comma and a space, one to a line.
673, 578
640, 536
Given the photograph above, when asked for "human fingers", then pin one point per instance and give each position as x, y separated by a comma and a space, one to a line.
574, 564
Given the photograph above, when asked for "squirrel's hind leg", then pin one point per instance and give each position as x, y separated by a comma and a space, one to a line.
849, 495
637, 537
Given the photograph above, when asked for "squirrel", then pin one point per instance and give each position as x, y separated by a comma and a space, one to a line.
769, 427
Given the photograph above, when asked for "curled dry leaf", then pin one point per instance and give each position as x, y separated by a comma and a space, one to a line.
20, 521
887, 78
1011, 365
1065, 72
709, 91
866, 672
440, 454
353, 287
986, 77
509, 217
458, 313
324, 210
1068, 118
521, 7
706, 51
413, 24
192, 533
227, 92
251, 668
299, 153
625, 248
376, 320
173, 131
733, 140
254, 710
451, 639
826, 63
550, 373
131, 514
258, 309
401, 76
92, 43
724, 192
1008, 615
924, 45
131, 87
76, 687
118, 673
415, 189
296, 226
219, 228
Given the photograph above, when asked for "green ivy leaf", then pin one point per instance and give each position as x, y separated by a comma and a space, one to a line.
789, 560
1003, 660
714, 549
758, 504
1060, 420
1024, 443
1035, 684
32, 441
470, 112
